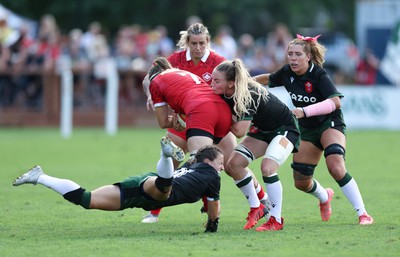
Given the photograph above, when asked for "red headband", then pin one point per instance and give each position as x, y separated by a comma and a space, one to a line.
313, 39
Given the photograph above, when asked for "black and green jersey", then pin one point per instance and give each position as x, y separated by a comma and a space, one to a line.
268, 115
312, 87
188, 186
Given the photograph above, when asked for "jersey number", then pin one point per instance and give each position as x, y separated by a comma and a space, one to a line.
194, 77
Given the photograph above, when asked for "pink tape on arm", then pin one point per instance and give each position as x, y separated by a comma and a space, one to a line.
325, 107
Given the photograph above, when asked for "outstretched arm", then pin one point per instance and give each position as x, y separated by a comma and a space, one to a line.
213, 216
262, 78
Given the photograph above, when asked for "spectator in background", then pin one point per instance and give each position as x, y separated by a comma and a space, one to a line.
97, 48
18, 54
367, 69
8, 35
124, 48
41, 60
224, 43
141, 40
192, 20
277, 42
9, 38
166, 44
80, 65
246, 50
49, 46
153, 46
123, 52
94, 42
253, 55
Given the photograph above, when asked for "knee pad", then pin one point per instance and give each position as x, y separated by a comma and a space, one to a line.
277, 152
79, 197
304, 169
245, 152
335, 149
163, 183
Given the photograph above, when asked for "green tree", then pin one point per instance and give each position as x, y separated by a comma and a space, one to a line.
256, 17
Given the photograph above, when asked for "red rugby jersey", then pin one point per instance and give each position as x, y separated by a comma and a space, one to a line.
183, 61
181, 90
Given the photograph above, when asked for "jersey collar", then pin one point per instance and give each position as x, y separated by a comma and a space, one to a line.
203, 59
311, 67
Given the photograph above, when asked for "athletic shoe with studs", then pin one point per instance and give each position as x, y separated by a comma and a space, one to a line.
171, 150
254, 216
325, 208
30, 177
365, 219
150, 218
271, 225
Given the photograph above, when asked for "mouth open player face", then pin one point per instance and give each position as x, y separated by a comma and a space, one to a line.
298, 59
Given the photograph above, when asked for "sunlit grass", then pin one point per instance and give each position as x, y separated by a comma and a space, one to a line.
34, 221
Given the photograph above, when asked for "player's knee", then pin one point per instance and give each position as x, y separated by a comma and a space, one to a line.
79, 197
243, 151
279, 149
302, 174
304, 169
335, 149
163, 184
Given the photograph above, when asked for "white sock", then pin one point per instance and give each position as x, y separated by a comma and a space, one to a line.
351, 191
165, 166
61, 186
319, 192
248, 190
258, 188
275, 192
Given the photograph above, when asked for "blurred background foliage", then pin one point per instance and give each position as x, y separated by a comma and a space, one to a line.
256, 17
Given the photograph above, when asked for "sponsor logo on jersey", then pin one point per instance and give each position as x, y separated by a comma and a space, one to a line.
308, 87
302, 98
207, 76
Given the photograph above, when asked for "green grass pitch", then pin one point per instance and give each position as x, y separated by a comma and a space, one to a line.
34, 221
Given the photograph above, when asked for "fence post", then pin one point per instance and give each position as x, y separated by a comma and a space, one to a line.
111, 115
66, 96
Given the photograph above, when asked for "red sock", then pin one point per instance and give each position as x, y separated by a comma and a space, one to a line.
261, 194
155, 212
205, 203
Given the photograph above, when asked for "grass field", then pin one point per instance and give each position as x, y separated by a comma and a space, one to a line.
35, 221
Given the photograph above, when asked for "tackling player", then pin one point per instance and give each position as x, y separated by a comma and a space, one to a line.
198, 58
271, 131
149, 190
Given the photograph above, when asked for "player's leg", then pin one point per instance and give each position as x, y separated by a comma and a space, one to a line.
162, 185
237, 165
334, 142
179, 139
103, 198
304, 163
227, 145
276, 154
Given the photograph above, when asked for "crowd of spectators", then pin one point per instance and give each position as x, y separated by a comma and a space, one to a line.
25, 59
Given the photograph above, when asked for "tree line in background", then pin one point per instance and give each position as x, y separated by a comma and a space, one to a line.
256, 17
